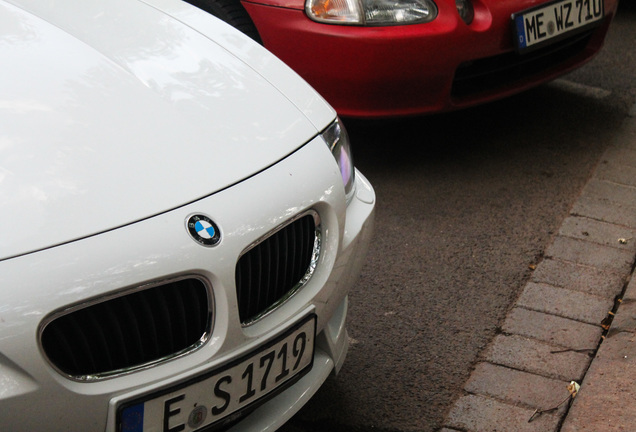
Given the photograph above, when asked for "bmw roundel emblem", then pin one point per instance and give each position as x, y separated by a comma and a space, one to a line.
203, 230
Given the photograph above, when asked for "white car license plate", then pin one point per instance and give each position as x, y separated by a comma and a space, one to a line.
220, 393
537, 26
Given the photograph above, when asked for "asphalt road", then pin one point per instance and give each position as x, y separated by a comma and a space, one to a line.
467, 202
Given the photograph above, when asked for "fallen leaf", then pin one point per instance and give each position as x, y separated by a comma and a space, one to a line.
574, 388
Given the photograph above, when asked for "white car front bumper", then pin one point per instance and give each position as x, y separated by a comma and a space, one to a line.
35, 396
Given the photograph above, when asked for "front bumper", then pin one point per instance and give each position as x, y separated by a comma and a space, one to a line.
34, 396
411, 69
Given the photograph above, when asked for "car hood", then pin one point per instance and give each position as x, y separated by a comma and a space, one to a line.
121, 110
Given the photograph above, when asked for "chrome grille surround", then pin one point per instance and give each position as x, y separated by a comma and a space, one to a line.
50, 322
257, 252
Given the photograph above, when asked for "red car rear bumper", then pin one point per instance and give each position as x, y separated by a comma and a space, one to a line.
416, 69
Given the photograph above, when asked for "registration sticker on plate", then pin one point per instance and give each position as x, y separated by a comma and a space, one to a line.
219, 394
545, 24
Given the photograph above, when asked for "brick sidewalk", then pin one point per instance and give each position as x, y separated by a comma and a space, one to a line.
552, 334
606, 402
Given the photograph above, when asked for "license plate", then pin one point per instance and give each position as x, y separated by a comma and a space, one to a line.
224, 393
545, 24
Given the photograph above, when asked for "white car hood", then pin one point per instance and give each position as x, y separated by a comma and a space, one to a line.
114, 111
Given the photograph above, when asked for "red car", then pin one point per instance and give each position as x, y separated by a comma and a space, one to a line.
384, 58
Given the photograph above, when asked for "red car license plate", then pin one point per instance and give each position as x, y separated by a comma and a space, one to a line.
216, 395
542, 25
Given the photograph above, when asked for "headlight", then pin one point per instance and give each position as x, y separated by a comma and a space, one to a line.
337, 139
371, 12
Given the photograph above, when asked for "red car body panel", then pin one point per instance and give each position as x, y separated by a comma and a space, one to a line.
416, 69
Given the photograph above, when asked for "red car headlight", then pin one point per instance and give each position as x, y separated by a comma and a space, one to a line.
371, 12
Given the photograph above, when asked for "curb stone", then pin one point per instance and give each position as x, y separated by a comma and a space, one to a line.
552, 329
537, 357
565, 303
602, 283
478, 413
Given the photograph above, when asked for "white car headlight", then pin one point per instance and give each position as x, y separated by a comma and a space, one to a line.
371, 12
337, 139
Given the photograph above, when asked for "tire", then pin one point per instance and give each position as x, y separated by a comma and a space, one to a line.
232, 12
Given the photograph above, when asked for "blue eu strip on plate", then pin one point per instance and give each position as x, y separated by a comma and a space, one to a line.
132, 419
521, 31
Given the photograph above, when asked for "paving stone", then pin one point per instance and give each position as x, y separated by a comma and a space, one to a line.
552, 329
576, 277
625, 320
630, 292
480, 414
618, 156
592, 254
600, 208
595, 231
612, 192
565, 303
537, 357
516, 387
624, 174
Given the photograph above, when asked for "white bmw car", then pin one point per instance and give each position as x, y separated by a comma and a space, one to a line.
180, 223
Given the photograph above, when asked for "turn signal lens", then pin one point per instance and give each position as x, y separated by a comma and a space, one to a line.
334, 11
371, 12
